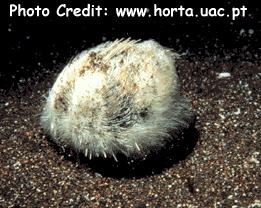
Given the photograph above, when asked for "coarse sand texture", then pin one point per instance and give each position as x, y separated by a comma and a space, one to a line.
118, 97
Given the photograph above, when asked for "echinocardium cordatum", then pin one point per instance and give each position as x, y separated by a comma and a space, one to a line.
118, 97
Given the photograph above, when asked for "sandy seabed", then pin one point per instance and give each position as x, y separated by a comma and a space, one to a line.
215, 165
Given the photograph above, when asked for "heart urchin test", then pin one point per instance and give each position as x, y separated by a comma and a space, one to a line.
118, 97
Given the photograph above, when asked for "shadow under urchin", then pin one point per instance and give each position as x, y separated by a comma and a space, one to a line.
158, 160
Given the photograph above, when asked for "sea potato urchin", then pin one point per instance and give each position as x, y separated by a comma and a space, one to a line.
118, 97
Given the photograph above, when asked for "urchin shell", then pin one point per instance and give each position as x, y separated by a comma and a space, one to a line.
118, 97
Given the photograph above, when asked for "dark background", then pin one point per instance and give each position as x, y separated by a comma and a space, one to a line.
38, 45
